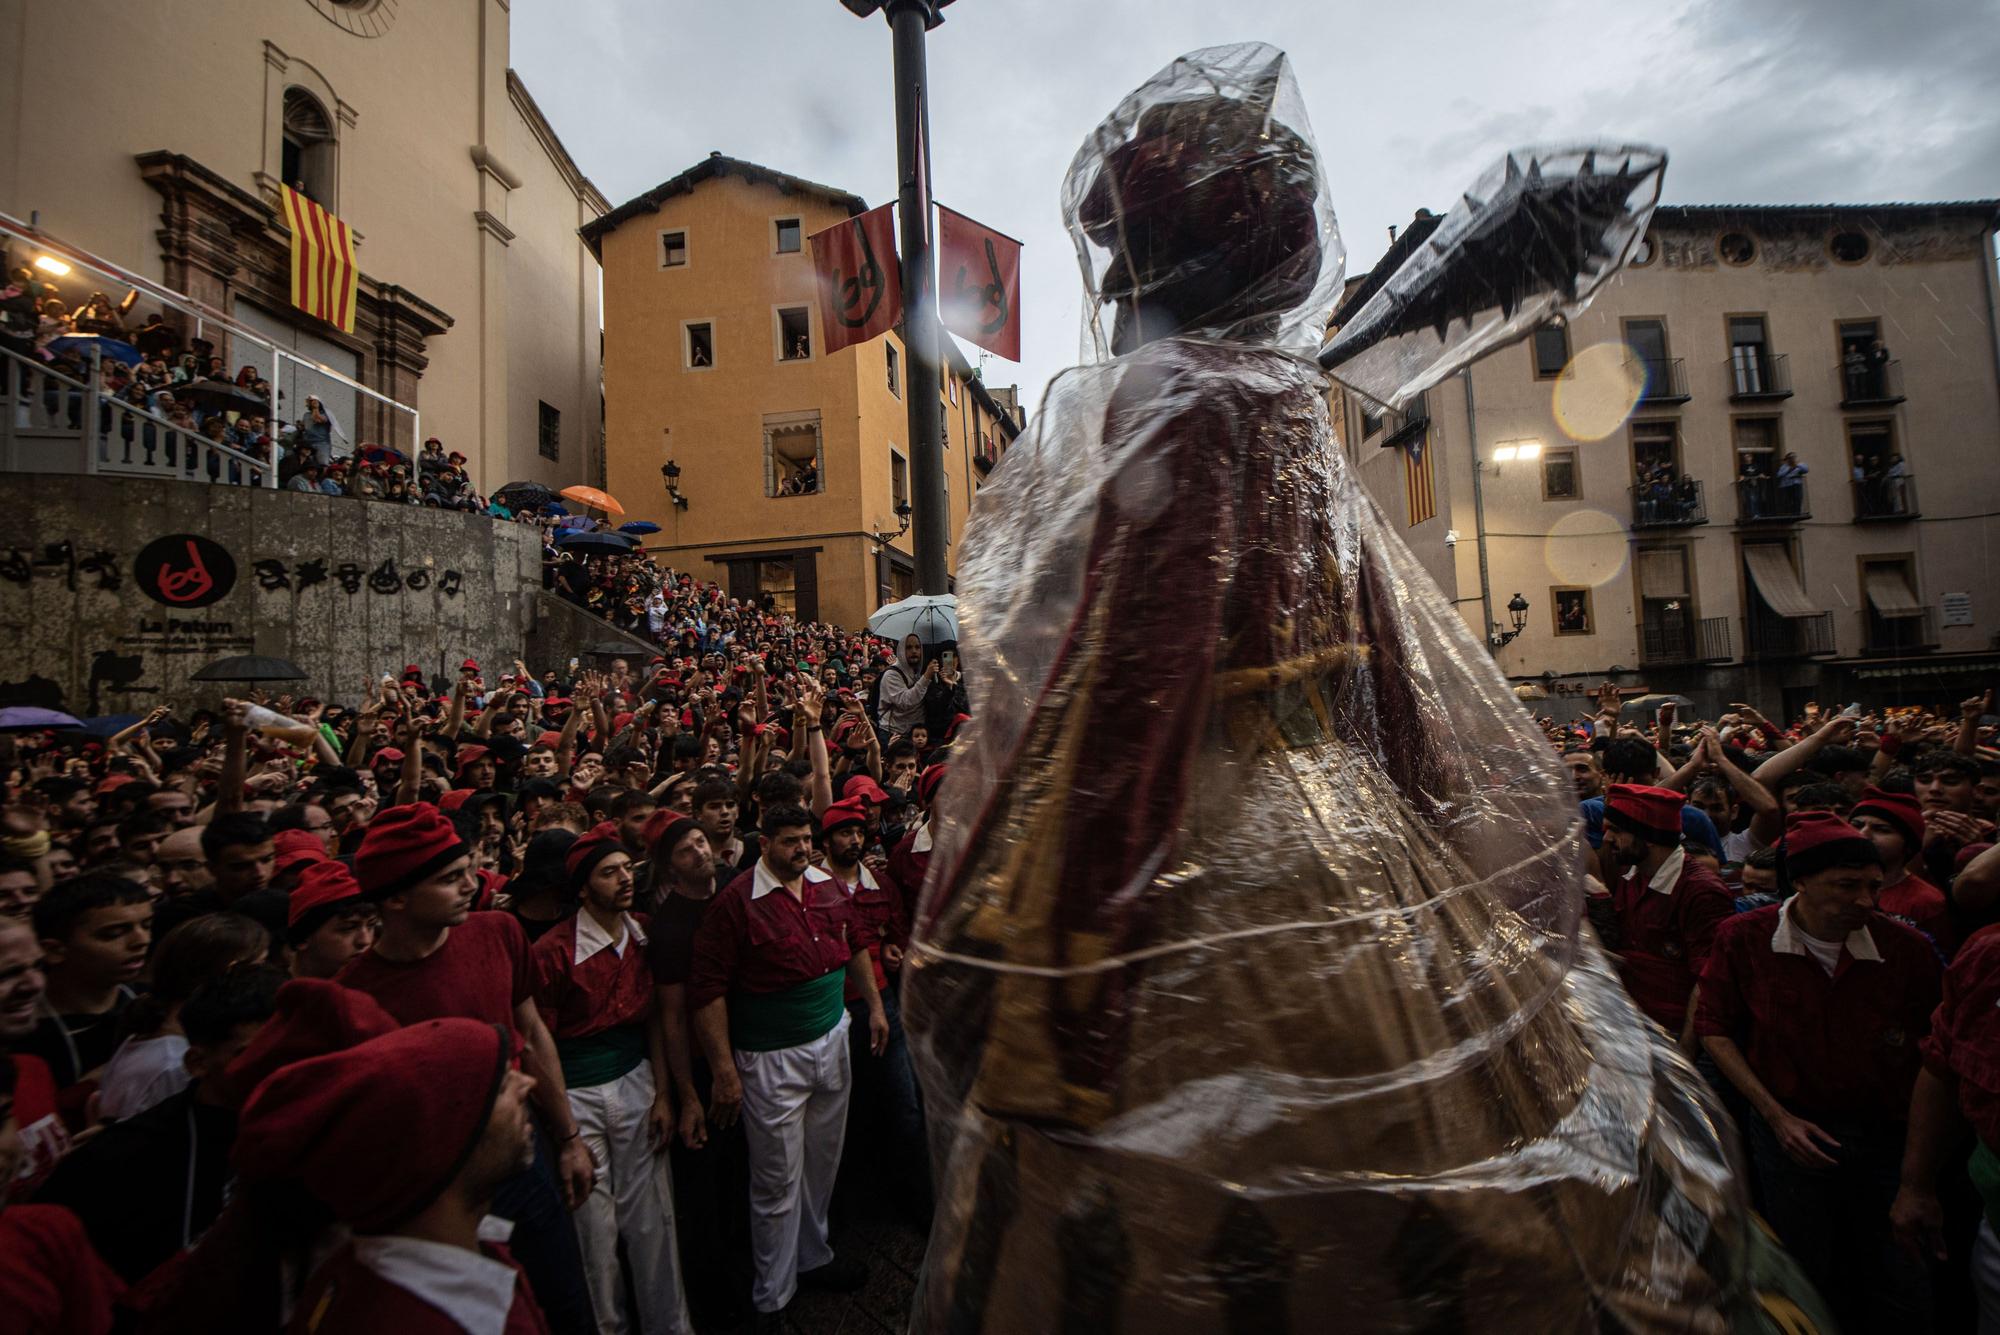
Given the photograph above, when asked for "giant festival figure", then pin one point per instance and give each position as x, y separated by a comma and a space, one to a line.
1249, 990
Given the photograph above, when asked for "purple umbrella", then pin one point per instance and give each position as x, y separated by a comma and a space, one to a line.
27, 718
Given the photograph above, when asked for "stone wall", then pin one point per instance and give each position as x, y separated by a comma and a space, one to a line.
564, 631
114, 592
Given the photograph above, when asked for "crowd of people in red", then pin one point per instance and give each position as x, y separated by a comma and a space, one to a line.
513, 1003
1808, 908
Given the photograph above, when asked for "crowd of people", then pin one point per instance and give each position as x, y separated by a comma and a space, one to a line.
180, 386
1803, 906
306, 1007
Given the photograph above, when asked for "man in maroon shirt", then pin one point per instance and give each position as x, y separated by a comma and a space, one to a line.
770, 959
438, 1114
435, 958
1668, 905
1958, 1089
1813, 1009
884, 1103
1894, 822
595, 992
910, 860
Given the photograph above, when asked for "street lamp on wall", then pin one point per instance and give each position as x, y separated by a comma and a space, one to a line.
671, 471
1517, 612
884, 538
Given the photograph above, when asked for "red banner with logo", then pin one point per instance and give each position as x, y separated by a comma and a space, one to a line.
979, 284
860, 279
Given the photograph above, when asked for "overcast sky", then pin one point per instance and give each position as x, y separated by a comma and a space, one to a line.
1759, 101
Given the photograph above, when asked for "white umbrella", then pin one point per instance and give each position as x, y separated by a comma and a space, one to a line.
931, 617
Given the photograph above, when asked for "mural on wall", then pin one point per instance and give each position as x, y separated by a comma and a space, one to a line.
185, 573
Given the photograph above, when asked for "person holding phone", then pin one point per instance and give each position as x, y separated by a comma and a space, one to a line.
945, 698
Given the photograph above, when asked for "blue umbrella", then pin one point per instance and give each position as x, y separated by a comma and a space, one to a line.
555, 508
109, 725
27, 718
110, 349
639, 526
597, 544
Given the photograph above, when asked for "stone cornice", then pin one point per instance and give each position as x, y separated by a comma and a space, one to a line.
493, 227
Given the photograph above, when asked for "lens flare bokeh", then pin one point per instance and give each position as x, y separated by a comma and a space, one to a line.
1598, 390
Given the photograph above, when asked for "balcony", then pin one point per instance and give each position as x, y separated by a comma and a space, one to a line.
1666, 380
1757, 376
1871, 386
1768, 636
1673, 505
1760, 500
1668, 641
1885, 500
1409, 424
1898, 635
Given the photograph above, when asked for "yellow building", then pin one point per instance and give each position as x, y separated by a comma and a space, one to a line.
792, 462
478, 302
1619, 472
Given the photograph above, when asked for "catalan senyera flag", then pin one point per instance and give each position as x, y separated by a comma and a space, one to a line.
325, 274
1419, 489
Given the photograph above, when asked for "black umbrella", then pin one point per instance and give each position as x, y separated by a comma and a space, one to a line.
250, 667
223, 396
524, 496
597, 544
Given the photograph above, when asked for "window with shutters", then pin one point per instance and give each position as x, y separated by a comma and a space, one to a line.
1559, 476
549, 424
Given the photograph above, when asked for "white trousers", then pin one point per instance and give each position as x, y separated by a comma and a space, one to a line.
795, 1117
633, 1200
1986, 1278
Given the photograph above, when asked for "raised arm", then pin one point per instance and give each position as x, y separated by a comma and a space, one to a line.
1969, 714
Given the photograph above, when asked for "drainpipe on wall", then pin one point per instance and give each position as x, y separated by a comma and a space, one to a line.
1478, 514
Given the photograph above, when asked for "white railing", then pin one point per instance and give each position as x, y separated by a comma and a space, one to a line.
237, 340
52, 423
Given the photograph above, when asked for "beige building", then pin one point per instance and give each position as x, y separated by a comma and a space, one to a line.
478, 300
1632, 476
793, 464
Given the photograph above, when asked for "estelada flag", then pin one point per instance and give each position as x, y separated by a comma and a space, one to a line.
325, 276
860, 279
979, 284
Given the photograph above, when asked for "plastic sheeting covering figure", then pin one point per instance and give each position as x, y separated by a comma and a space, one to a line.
1248, 990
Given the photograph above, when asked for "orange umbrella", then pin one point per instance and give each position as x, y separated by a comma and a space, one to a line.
594, 498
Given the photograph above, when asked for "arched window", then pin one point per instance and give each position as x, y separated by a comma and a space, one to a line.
309, 165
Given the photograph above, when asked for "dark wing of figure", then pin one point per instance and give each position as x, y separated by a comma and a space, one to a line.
1535, 237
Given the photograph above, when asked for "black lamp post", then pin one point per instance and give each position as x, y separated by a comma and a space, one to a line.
883, 538
671, 471
909, 20
1517, 612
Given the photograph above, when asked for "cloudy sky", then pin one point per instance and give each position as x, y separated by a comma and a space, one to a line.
1767, 101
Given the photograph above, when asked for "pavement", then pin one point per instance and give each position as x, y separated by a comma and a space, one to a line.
893, 1250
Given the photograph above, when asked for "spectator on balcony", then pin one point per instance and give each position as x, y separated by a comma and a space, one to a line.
308, 478
1867, 486
1895, 486
431, 459
1687, 496
808, 479
1751, 484
1854, 367
318, 428
1791, 478
1878, 369
19, 318
156, 341
98, 316
54, 321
